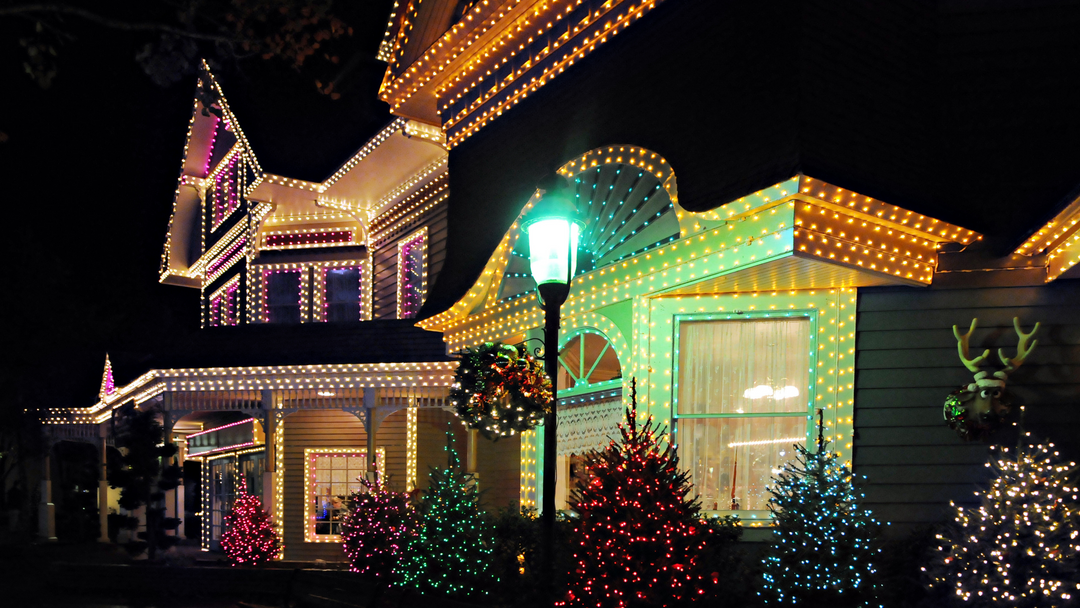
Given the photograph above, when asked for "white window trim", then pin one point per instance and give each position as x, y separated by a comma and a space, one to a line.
220, 292
309, 482
312, 288
421, 235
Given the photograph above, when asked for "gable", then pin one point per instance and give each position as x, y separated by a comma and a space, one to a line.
214, 135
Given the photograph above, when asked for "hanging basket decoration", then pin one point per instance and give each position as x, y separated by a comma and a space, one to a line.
499, 389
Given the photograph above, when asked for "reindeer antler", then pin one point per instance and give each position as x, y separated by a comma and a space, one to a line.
962, 347
1022, 348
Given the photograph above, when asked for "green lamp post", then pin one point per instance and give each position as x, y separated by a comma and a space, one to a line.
553, 229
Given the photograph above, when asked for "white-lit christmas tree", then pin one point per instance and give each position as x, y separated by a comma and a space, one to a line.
1021, 547
823, 548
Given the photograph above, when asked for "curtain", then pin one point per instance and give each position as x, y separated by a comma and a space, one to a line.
756, 373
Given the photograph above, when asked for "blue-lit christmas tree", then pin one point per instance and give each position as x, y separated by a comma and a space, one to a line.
451, 552
823, 548
1021, 547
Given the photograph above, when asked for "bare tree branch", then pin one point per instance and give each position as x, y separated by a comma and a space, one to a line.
63, 9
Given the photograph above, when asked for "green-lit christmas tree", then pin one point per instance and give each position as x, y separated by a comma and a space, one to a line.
1021, 547
823, 549
452, 550
639, 537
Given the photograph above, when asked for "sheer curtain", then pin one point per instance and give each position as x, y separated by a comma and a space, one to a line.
742, 402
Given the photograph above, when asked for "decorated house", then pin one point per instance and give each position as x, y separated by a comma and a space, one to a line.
308, 362
787, 208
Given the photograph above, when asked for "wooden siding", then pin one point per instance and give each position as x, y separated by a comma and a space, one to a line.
329, 429
496, 462
906, 364
499, 466
431, 426
384, 287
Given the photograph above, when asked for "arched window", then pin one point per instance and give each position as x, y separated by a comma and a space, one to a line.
590, 404
586, 360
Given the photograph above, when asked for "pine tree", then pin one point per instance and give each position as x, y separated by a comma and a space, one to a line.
823, 549
377, 531
249, 537
451, 552
1022, 546
638, 539
144, 476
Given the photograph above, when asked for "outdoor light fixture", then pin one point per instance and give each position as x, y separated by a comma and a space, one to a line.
553, 228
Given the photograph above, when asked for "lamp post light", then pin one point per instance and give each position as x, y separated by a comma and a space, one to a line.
553, 229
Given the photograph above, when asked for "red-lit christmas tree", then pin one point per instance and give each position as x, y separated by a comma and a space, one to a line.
638, 538
249, 537
377, 531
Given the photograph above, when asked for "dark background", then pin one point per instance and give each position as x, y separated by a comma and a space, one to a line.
89, 168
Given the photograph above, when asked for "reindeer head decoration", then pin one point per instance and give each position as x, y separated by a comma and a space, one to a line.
977, 410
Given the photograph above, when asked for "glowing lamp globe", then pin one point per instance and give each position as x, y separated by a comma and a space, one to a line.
553, 229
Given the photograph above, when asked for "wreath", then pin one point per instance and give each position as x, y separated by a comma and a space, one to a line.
968, 425
499, 389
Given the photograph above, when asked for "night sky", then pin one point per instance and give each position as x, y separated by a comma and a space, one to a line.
90, 167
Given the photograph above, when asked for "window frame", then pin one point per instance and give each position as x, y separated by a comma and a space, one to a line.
422, 236
811, 389
318, 288
832, 372
229, 168
221, 295
303, 297
312, 296
310, 454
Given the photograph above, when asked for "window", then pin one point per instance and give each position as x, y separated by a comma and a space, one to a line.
333, 476
225, 190
225, 305
590, 405
314, 291
342, 296
283, 300
743, 396
586, 360
412, 274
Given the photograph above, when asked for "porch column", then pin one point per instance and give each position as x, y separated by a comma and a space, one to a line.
471, 461
371, 426
46, 508
270, 429
103, 484
174, 506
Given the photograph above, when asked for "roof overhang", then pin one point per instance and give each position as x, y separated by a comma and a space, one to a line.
1058, 242
799, 234
305, 380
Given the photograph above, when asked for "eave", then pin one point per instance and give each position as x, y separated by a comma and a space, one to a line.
799, 234
1058, 240
311, 378
493, 57
177, 265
